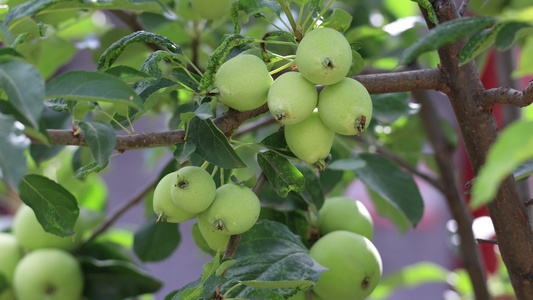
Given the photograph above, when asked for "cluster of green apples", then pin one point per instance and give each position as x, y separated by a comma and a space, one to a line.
345, 248
191, 192
311, 119
39, 265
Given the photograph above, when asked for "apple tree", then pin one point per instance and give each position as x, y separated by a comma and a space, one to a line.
273, 108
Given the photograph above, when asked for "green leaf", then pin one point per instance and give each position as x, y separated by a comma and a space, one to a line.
212, 144
339, 20
116, 279
347, 164
93, 167
13, 144
269, 251
276, 142
101, 139
444, 34
511, 149
24, 87
393, 184
523, 171
128, 74
295, 220
252, 7
92, 86
388, 210
507, 34
312, 193
156, 241
388, 108
410, 277
114, 51
55, 207
478, 43
183, 151
286, 284
263, 295
281, 173
426, 4
358, 63
31, 8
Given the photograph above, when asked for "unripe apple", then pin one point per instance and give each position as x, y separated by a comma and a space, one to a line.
235, 210
354, 265
310, 140
10, 255
51, 274
243, 82
292, 98
345, 107
192, 189
214, 240
163, 205
31, 235
7, 294
343, 213
324, 56
211, 9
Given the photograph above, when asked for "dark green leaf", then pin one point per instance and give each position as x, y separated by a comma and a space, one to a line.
24, 87
523, 171
388, 108
252, 7
393, 184
13, 144
295, 220
92, 86
347, 164
286, 284
128, 74
269, 197
339, 20
478, 43
185, 80
358, 63
55, 207
312, 193
203, 111
84, 171
263, 295
115, 279
388, 210
114, 51
156, 241
106, 250
101, 139
183, 151
281, 173
212, 144
276, 142
444, 34
507, 34
426, 4
269, 251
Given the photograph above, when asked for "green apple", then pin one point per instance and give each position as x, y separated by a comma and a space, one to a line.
163, 205
302, 295
292, 98
211, 9
324, 56
7, 294
10, 255
48, 274
345, 107
354, 265
310, 140
192, 189
243, 82
31, 235
343, 213
235, 210
214, 240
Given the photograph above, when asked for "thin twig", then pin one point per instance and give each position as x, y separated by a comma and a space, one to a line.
485, 241
111, 219
505, 95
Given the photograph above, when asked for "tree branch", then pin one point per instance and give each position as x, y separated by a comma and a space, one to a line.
406, 81
505, 95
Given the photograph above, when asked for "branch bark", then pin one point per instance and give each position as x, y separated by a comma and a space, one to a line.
506, 95
479, 130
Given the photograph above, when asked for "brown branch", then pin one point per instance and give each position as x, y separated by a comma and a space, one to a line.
505, 95
406, 81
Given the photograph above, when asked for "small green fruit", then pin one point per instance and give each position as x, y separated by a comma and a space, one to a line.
343, 213
301, 295
211, 9
310, 140
163, 205
354, 265
214, 240
7, 294
345, 107
51, 274
10, 255
235, 210
292, 98
324, 56
243, 82
192, 189
31, 235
